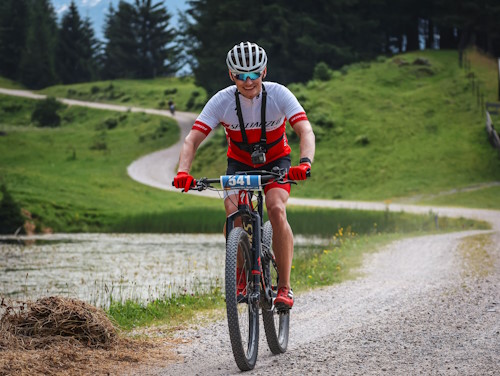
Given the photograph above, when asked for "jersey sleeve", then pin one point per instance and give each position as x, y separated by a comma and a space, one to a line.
211, 114
291, 107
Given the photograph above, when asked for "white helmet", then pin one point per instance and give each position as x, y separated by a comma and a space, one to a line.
246, 57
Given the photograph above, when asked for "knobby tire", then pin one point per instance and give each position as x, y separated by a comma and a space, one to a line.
244, 342
276, 324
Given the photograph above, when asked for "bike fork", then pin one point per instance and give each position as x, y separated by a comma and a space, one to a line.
256, 258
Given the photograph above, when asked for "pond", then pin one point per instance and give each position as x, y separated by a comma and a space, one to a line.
99, 267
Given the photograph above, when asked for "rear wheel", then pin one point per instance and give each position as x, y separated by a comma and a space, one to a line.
276, 324
242, 315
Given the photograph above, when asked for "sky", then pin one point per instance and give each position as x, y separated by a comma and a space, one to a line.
96, 10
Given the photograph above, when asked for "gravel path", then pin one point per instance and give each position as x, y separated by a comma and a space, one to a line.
421, 307
418, 309
427, 305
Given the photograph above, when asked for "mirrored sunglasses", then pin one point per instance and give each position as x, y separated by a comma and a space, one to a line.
243, 76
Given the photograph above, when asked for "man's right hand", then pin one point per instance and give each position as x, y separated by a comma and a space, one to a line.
184, 181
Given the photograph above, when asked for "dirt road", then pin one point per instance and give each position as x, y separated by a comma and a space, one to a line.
427, 305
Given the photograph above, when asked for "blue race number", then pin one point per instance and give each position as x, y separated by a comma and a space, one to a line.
240, 181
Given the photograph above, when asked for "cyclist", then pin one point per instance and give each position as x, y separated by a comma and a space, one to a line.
254, 117
171, 106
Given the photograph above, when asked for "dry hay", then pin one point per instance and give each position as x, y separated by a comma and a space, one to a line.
58, 336
33, 323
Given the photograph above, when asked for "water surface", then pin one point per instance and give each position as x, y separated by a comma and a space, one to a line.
98, 267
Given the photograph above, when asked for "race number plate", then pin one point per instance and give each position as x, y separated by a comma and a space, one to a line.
240, 182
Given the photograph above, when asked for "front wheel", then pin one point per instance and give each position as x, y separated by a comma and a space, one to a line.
276, 324
242, 315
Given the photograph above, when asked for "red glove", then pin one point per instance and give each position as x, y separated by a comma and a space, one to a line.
299, 172
184, 180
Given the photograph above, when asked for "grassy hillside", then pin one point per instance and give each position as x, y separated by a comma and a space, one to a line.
143, 93
9, 84
384, 130
391, 129
74, 178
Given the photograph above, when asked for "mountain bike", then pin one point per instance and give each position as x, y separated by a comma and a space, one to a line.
251, 273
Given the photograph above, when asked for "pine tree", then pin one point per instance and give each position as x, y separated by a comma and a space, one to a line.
13, 30
295, 35
91, 50
121, 59
75, 48
214, 26
139, 41
37, 65
156, 57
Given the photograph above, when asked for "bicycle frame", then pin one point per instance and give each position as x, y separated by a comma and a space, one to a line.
252, 222
254, 238
247, 184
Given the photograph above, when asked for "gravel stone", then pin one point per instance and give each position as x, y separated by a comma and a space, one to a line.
414, 310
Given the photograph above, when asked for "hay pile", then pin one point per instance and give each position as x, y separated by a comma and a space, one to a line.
34, 325
55, 336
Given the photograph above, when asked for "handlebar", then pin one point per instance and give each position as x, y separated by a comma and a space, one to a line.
250, 180
244, 180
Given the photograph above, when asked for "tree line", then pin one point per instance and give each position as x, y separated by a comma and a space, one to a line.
140, 42
38, 51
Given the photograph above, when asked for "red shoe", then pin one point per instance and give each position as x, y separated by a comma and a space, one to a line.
241, 282
284, 300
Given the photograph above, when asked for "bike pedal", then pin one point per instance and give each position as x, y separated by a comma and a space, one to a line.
282, 308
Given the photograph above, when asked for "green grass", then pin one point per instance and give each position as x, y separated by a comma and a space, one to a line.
9, 84
303, 220
324, 266
153, 93
387, 132
424, 130
313, 266
59, 176
173, 311
487, 198
383, 132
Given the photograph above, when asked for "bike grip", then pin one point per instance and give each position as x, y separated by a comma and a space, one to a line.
308, 173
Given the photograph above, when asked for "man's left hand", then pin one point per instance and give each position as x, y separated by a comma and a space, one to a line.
300, 172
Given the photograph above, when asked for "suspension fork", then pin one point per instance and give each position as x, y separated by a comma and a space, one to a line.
252, 224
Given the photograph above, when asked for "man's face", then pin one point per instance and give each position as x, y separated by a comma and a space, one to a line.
249, 88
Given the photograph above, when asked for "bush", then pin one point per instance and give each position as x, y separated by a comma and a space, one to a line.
362, 140
11, 218
45, 113
111, 123
190, 103
99, 142
322, 72
157, 133
170, 91
12, 108
322, 119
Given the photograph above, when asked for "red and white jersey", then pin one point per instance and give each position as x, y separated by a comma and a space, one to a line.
281, 105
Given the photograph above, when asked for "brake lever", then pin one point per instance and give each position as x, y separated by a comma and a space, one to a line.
201, 185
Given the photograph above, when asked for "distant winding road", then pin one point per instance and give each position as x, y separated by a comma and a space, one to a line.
426, 305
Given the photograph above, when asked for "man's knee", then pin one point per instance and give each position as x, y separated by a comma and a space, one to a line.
276, 204
231, 204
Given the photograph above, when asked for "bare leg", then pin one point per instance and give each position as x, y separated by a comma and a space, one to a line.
231, 205
276, 200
